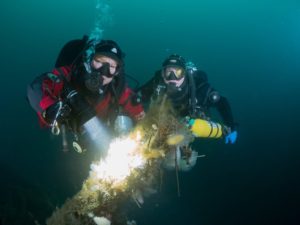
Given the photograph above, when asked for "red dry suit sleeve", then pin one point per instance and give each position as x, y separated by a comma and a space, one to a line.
134, 110
51, 89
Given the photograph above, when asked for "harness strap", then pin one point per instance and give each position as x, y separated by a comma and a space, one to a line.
193, 100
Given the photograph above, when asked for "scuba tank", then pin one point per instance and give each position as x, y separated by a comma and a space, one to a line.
205, 128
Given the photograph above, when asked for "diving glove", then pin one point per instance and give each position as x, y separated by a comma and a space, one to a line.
57, 112
231, 137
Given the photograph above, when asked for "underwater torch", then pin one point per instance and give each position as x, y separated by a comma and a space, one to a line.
89, 126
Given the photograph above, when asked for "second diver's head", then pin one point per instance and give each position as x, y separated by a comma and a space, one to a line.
174, 76
104, 65
173, 71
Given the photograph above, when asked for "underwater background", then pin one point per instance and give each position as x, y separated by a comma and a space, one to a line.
250, 51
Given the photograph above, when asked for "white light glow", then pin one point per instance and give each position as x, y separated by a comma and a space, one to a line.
122, 158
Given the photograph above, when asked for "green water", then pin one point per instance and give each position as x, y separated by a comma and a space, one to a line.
250, 50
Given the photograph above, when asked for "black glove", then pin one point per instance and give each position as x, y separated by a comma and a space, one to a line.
58, 112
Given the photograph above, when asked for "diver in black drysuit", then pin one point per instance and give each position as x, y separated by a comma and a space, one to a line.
190, 93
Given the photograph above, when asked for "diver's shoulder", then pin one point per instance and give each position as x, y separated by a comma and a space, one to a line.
200, 76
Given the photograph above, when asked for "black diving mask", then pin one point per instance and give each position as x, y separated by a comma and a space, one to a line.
94, 80
105, 70
173, 73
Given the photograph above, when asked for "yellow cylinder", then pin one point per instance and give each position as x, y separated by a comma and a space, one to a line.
206, 129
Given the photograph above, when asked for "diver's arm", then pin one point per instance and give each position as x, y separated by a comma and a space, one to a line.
225, 111
49, 100
209, 97
45, 94
41, 95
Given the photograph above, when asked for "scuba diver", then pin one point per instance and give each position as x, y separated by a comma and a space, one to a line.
189, 92
191, 97
86, 91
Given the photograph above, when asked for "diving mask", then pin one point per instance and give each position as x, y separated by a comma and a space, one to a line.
173, 73
105, 65
94, 79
